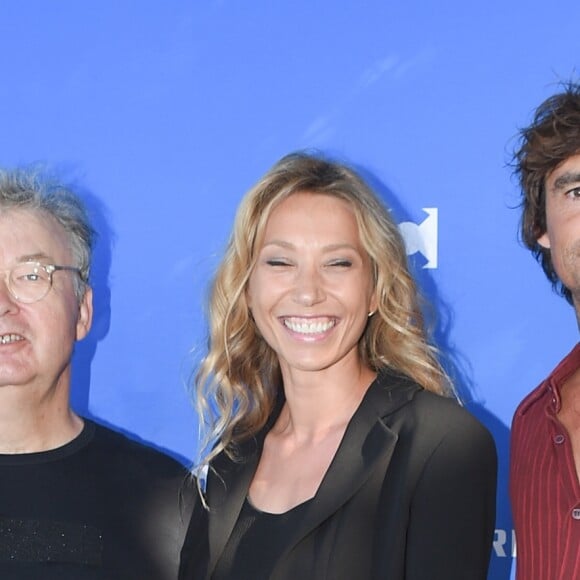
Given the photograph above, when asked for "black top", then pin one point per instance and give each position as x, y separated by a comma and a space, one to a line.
100, 507
256, 543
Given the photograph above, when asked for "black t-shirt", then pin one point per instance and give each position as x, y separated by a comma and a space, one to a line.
100, 507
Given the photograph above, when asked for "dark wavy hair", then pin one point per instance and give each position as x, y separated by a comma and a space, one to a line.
551, 138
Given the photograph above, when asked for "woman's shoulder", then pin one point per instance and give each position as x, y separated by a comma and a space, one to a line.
452, 429
430, 415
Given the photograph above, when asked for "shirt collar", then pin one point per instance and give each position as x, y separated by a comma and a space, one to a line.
565, 369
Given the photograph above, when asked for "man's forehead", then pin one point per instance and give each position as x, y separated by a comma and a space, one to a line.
564, 174
32, 235
36, 216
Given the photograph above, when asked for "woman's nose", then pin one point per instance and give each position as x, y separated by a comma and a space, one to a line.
309, 287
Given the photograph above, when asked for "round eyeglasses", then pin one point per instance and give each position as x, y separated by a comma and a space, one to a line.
31, 281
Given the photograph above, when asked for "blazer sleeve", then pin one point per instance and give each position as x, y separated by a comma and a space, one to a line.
452, 517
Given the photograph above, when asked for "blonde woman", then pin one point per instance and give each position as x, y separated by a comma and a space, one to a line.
337, 451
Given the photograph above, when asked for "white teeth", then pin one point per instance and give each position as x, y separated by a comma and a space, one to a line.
308, 326
8, 338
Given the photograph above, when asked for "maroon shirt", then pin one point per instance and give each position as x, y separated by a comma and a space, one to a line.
544, 487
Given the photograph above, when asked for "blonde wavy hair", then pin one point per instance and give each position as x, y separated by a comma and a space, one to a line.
238, 381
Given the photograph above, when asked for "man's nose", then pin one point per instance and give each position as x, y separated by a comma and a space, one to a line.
8, 303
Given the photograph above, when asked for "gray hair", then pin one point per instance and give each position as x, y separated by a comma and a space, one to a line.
32, 190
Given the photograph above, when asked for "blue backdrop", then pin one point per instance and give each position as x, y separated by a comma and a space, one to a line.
163, 113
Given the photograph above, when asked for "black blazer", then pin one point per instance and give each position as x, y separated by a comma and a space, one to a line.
410, 494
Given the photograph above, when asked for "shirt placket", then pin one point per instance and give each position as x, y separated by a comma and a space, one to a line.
569, 486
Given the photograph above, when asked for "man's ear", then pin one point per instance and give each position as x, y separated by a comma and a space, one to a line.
544, 241
85, 314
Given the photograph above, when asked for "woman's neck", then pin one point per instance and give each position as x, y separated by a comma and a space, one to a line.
321, 401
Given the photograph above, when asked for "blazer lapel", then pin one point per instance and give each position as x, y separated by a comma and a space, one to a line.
226, 496
367, 443
228, 489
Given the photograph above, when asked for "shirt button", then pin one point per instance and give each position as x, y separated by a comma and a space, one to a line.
559, 439
576, 513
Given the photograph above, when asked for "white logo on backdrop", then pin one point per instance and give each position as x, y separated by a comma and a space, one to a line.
504, 543
422, 237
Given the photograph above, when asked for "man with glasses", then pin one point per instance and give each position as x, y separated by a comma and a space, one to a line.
77, 501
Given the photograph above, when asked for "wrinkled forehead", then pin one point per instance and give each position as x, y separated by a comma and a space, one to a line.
32, 234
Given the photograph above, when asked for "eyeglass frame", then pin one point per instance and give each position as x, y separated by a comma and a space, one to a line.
50, 269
